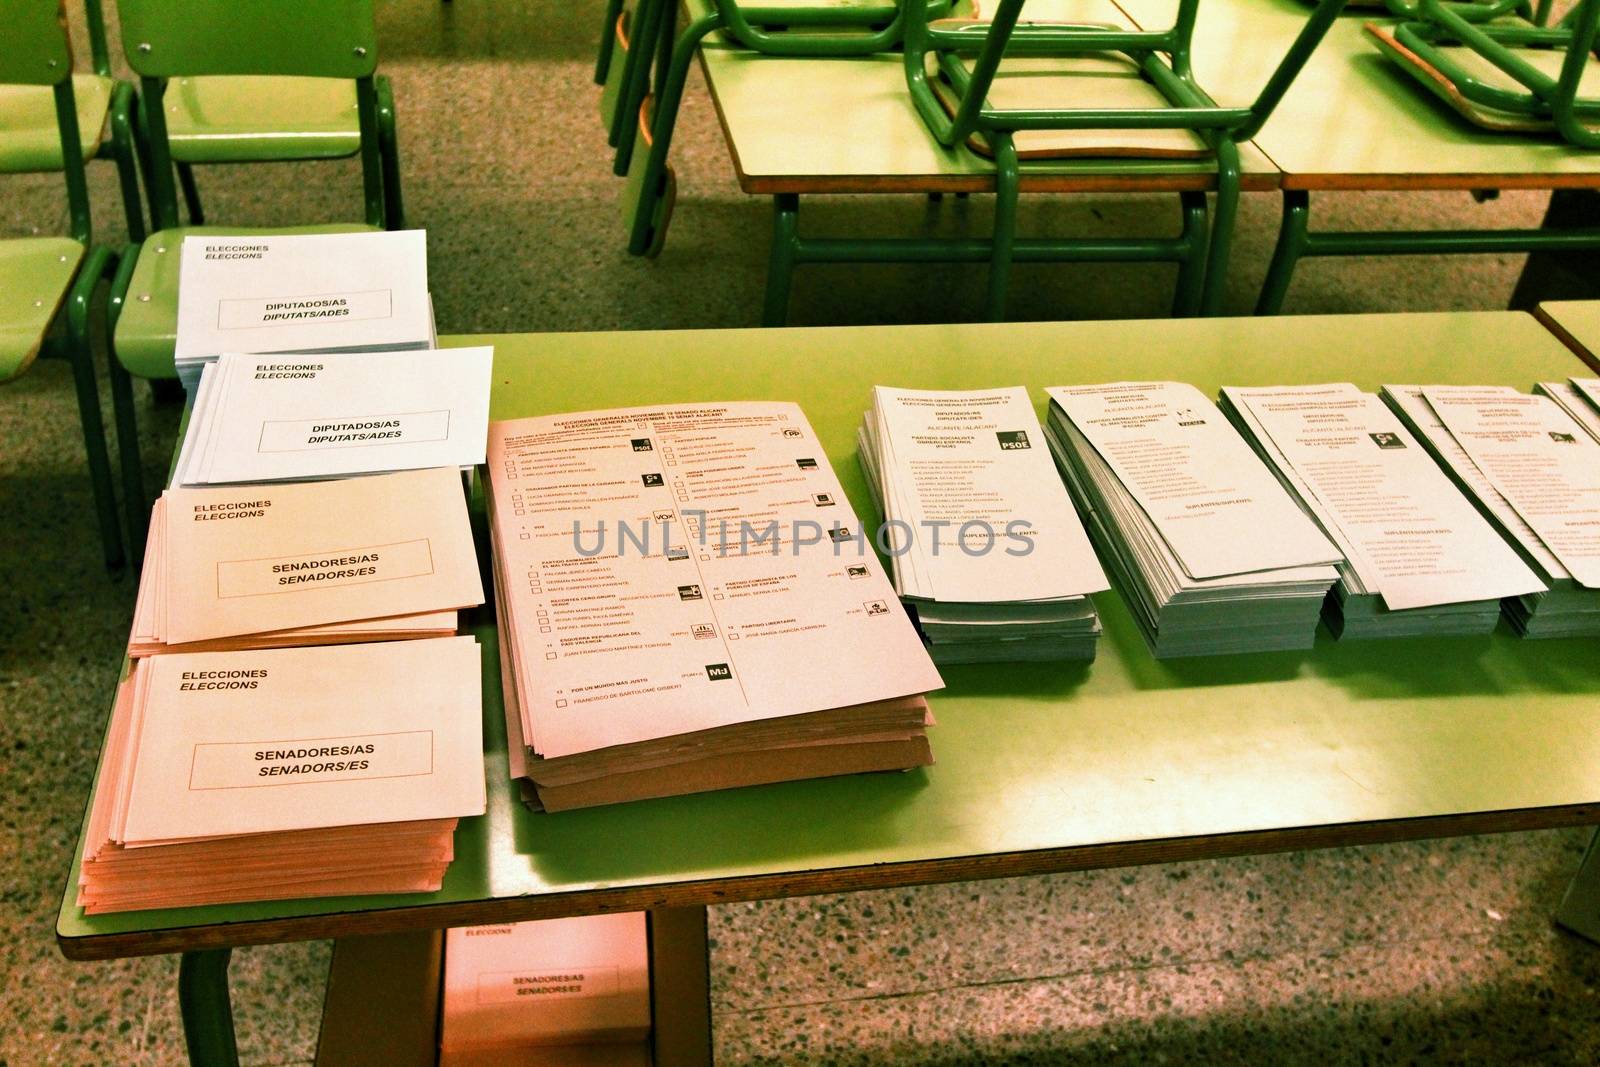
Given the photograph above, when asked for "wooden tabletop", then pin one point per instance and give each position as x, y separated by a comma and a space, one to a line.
1040, 767
1577, 323
848, 126
1353, 119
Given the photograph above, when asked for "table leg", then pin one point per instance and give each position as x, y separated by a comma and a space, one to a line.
1580, 908
1291, 245
780, 262
680, 987
207, 1010
1562, 275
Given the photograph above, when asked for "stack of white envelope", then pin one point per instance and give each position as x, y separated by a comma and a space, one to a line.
1418, 558
1212, 554
686, 602
1512, 454
289, 773
301, 563
569, 992
331, 292
987, 553
331, 415
1579, 398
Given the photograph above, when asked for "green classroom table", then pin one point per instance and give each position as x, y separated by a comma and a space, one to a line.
1040, 767
1577, 323
1354, 120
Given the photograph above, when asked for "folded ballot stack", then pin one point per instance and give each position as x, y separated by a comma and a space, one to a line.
687, 602
1212, 554
987, 553
329, 292
287, 773
335, 414
556, 992
1418, 558
1525, 462
301, 563
1579, 398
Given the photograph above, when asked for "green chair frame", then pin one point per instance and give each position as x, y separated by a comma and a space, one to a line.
37, 53
1555, 99
164, 40
1164, 58
1475, 10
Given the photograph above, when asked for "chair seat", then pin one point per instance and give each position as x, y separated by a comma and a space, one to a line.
239, 118
1110, 81
147, 331
35, 274
30, 140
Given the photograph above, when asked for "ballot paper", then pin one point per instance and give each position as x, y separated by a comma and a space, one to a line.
326, 415
973, 500
1579, 398
285, 773
553, 982
255, 559
680, 568
1545, 465
1406, 532
1210, 497
1220, 504
273, 293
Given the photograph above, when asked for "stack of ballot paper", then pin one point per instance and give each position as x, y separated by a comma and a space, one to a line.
986, 550
1212, 554
1419, 559
557, 992
329, 415
297, 772
1579, 398
334, 292
687, 602
1535, 473
302, 563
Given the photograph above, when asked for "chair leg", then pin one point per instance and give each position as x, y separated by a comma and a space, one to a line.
191, 195
780, 264
394, 208
96, 266
608, 40
1007, 178
647, 22
1291, 244
661, 126
125, 150
133, 498
1222, 227
1191, 269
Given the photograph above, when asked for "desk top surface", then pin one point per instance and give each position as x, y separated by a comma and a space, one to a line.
1577, 322
848, 125
1353, 119
1040, 767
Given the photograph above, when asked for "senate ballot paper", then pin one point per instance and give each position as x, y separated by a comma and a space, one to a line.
1579, 398
257, 558
1544, 464
329, 415
353, 292
1407, 533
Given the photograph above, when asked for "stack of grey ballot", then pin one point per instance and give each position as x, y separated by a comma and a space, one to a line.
1568, 607
986, 551
1418, 558
1212, 555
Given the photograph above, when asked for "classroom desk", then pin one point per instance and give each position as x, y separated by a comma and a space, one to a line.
1577, 323
1354, 120
1041, 767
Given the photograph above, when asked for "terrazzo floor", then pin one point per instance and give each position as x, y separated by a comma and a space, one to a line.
1438, 952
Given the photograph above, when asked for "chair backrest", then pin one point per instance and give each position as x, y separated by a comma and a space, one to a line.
165, 39
820, 30
309, 38
37, 52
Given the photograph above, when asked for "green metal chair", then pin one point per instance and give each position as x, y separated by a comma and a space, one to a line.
952, 93
1513, 50
39, 276
165, 41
